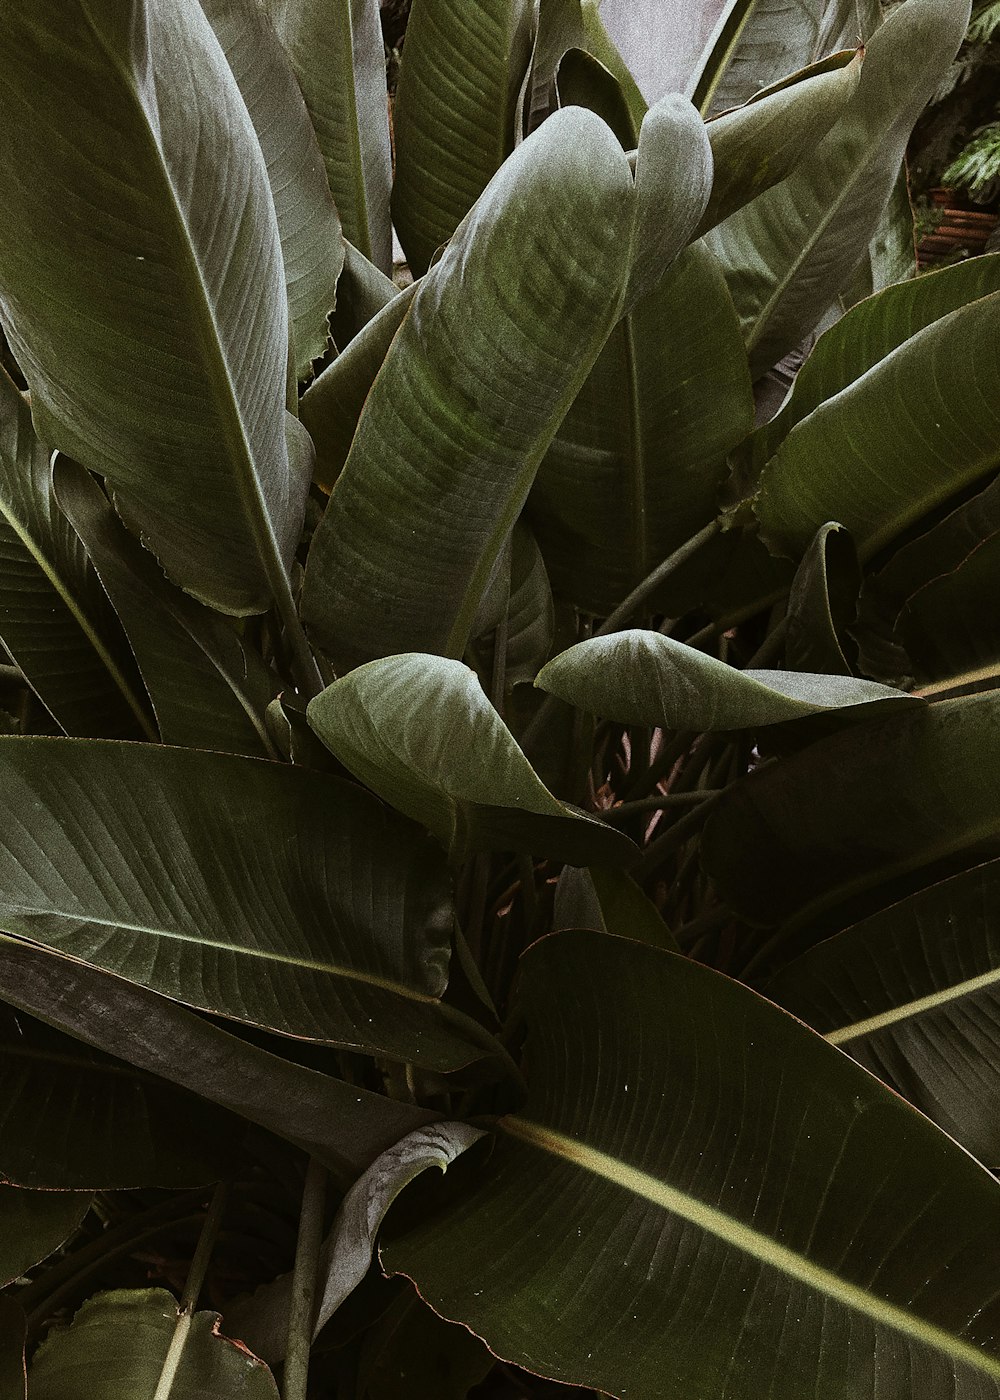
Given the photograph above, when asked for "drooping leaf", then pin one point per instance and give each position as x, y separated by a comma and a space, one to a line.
265, 893
35, 1223
343, 1125
913, 994
208, 691
453, 118
142, 287
640, 677
337, 54
420, 731
636, 1223
823, 603
54, 618
457, 460
117, 1346
311, 244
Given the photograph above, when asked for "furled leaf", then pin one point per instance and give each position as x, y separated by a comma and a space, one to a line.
913, 993
788, 254
919, 427
823, 603
859, 809
636, 1222
420, 731
337, 53
13, 1377
311, 244
117, 1346
265, 893
208, 691
457, 460
342, 1124
646, 678
35, 1223
559, 27
142, 288
54, 618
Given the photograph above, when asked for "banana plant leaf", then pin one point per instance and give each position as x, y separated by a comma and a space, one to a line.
913, 994
90, 1361
635, 1221
823, 604
337, 930
145, 299
33, 1224
337, 54
55, 620
362, 292
420, 731
457, 459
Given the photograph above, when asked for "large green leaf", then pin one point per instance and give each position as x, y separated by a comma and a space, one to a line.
457, 460
266, 893
861, 808
142, 288
701, 1198
913, 993
420, 731
54, 617
789, 253
117, 1349
919, 427
35, 1223
208, 691
335, 47
453, 118
343, 1125
646, 678
311, 244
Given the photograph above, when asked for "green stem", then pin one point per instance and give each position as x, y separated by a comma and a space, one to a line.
984, 673
663, 802
304, 1281
192, 1290
307, 672
653, 581
673, 837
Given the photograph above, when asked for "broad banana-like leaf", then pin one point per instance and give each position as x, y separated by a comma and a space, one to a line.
33, 1224
342, 1124
823, 604
142, 286
420, 731
637, 463
454, 115
361, 294
207, 690
635, 1219
74, 1119
646, 678
311, 244
949, 627
13, 1334
859, 809
922, 425
54, 617
335, 48
262, 892
913, 994
892, 252
456, 459
120, 1344
789, 253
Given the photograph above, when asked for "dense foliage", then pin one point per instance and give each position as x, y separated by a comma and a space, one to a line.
540, 723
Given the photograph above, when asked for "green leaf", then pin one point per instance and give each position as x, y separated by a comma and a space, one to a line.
637, 463
582, 81
268, 894
35, 1223
420, 732
916, 429
208, 691
118, 1345
361, 294
912, 994
342, 1124
142, 287
823, 603
13, 1330
948, 627
636, 1222
54, 617
859, 809
559, 27
609, 901
789, 253
311, 244
337, 54
457, 460
646, 678
453, 118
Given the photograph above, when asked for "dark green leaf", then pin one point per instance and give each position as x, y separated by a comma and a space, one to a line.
412, 1354
361, 294
609, 901
582, 81
949, 627
35, 1223
823, 603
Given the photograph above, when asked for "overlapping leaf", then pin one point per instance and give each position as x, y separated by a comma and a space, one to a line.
35, 1223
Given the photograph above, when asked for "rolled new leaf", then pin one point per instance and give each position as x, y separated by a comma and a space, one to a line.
420, 731
646, 678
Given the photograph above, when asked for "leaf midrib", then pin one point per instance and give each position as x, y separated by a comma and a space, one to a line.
906, 1011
